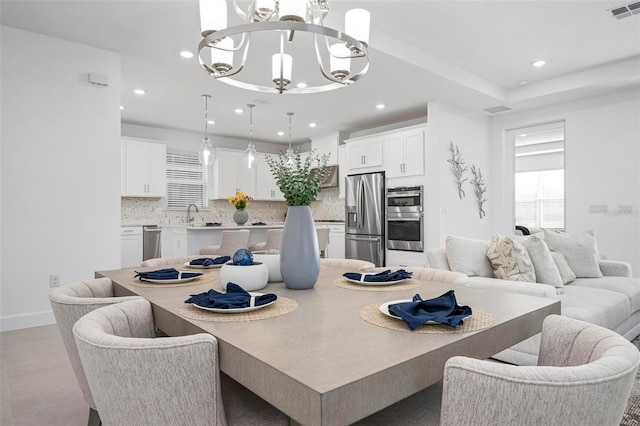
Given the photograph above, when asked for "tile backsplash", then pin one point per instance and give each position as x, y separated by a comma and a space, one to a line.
143, 211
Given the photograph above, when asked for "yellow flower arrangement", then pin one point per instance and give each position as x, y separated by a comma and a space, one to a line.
240, 200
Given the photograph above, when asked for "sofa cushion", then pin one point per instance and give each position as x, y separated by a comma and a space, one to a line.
601, 307
566, 274
469, 256
580, 250
630, 287
510, 260
546, 269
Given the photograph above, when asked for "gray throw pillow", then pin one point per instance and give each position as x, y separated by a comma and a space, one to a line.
469, 256
566, 273
579, 250
546, 269
510, 260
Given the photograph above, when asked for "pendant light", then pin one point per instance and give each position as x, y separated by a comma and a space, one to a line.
291, 158
249, 159
205, 155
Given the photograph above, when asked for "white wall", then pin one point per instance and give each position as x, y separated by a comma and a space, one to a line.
602, 158
446, 213
60, 176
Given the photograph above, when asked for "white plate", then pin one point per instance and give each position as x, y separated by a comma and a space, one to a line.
214, 266
236, 310
176, 281
384, 308
373, 282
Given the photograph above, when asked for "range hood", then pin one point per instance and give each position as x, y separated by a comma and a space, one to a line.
331, 181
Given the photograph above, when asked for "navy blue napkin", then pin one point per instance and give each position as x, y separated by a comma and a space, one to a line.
165, 274
235, 297
207, 261
383, 276
443, 309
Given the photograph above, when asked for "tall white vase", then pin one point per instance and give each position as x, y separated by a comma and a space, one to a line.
299, 252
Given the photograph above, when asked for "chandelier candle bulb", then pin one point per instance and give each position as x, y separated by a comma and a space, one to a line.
281, 66
356, 24
222, 56
264, 10
340, 61
213, 16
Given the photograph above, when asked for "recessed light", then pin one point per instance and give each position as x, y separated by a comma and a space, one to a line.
211, 122
139, 92
280, 133
121, 107
381, 106
523, 135
538, 63
301, 85
186, 54
238, 110
312, 124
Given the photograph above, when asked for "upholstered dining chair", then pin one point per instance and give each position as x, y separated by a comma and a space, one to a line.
323, 239
69, 304
169, 261
584, 377
137, 379
274, 238
429, 274
231, 242
352, 264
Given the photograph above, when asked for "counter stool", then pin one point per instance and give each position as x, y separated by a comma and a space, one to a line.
323, 239
231, 242
274, 238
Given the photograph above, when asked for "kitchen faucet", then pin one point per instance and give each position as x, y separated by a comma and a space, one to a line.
189, 218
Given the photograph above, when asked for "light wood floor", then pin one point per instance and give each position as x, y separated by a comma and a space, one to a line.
37, 384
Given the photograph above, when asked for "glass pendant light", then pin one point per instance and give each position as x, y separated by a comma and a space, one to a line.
249, 158
205, 154
291, 158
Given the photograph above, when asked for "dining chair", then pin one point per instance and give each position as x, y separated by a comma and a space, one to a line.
429, 274
584, 376
274, 238
168, 261
351, 264
323, 240
138, 379
230, 243
69, 304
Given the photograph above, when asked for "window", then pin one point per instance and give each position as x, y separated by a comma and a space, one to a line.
186, 181
540, 199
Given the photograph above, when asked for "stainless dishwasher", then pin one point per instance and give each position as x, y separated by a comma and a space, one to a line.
151, 242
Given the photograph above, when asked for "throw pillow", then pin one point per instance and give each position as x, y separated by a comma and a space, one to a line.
510, 260
566, 273
579, 250
468, 256
546, 270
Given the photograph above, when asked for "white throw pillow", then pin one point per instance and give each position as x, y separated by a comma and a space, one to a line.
579, 250
566, 273
469, 256
510, 260
546, 269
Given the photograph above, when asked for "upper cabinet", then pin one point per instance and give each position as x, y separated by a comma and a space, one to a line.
365, 153
266, 187
143, 168
327, 145
404, 153
229, 175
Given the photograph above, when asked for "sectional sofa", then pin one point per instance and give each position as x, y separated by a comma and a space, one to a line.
601, 292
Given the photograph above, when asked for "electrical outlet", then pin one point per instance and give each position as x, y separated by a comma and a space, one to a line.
54, 280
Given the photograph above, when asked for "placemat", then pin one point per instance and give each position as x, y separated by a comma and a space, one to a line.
407, 284
282, 306
205, 278
477, 321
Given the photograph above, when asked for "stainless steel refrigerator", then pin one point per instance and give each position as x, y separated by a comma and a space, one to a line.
365, 215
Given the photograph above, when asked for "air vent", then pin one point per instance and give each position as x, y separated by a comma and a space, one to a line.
626, 10
261, 101
497, 109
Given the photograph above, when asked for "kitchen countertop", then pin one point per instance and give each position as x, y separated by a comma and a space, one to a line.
275, 225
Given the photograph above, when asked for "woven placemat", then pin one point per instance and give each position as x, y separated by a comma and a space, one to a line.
477, 321
205, 278
282, 306
407, 284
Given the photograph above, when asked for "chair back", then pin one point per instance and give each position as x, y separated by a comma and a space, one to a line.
168, 261
429, 274
274, 239
138, 379
72, 302
354, 265
233, 241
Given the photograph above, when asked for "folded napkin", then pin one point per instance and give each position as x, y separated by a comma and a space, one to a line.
166, 274
383, 276
235, 297
443, 309
207, 261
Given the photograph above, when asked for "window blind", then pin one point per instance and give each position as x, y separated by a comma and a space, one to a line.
186, 181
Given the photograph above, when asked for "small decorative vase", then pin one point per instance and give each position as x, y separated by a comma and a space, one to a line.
299, 252
240, 216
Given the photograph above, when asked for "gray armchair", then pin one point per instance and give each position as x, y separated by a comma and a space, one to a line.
69, 304
584, 377
137, 379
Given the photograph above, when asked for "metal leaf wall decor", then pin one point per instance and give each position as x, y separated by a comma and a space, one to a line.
458, 168
479, 188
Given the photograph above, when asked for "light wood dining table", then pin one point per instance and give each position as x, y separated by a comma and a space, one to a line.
322, 364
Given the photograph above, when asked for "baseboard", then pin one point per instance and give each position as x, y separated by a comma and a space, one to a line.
15, 322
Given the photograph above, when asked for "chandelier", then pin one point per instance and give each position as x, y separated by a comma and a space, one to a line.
284, 33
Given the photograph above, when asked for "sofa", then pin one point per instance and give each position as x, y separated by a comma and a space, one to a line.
590, 289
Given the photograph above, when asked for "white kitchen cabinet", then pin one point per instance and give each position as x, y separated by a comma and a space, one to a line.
143, 168
343, 169
180, 242
266, 187
229, 175
365, 153
335, 248
404, 153
327, 145
130, 246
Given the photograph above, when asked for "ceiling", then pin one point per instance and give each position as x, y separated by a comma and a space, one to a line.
473, 54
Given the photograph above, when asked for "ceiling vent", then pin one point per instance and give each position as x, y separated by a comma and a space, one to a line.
626, 10
261, 101
497, 109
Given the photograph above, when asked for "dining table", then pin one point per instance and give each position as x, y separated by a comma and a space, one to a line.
330, 358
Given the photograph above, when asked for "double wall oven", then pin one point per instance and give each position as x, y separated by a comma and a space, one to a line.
405, 218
